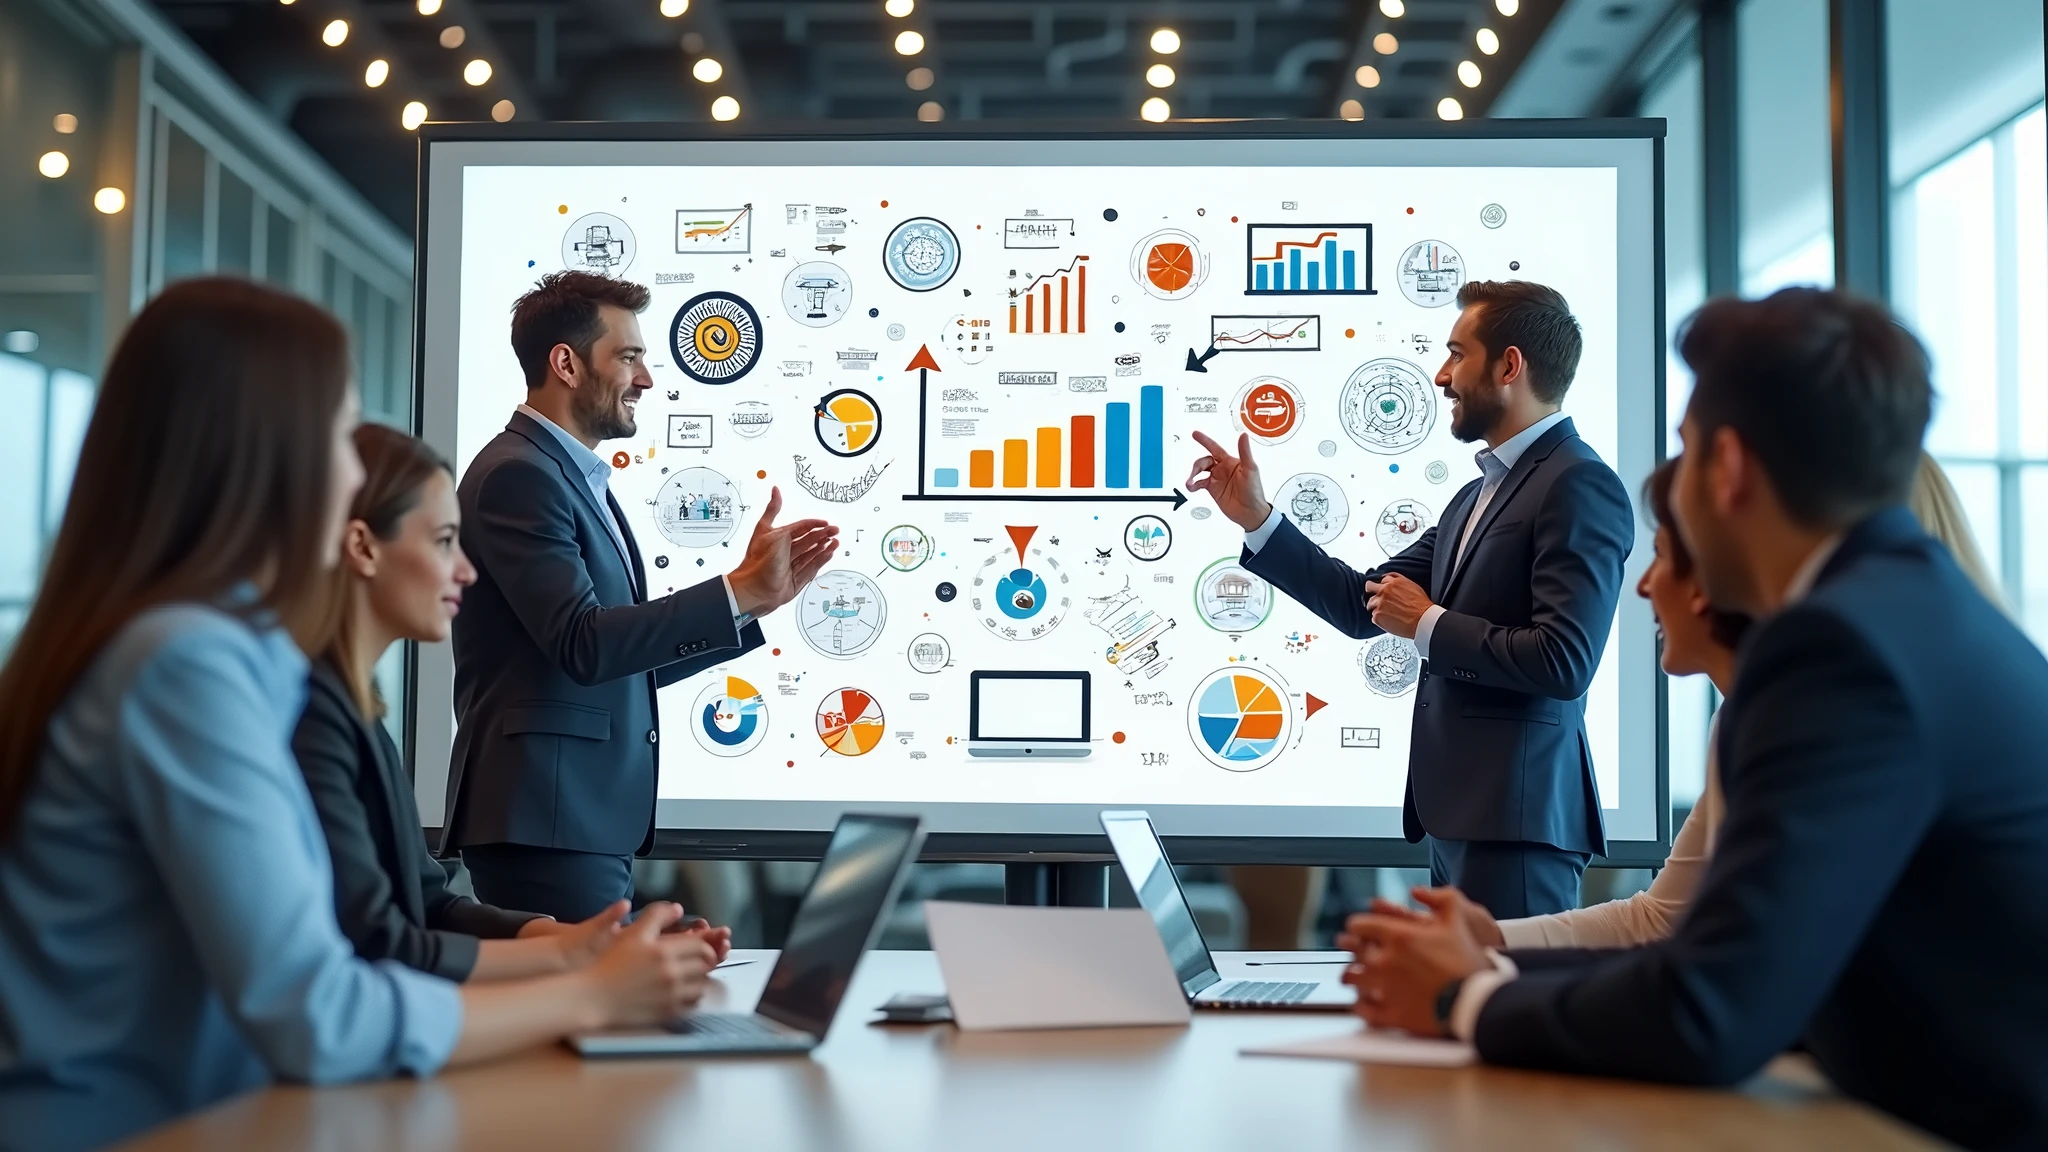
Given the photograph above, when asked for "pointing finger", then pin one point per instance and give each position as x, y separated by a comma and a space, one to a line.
1213, 448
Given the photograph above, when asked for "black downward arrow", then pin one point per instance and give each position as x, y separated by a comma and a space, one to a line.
1200, 363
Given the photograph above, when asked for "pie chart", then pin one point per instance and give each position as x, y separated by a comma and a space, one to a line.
848, 422
1240, 719
1169, 264
850, 721
731, 717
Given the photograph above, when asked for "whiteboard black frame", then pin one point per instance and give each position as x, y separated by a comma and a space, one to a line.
1014, 847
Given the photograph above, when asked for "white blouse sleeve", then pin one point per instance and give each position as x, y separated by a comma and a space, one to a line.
1652, 913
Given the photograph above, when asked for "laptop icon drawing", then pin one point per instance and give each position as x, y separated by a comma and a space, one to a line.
1041, 715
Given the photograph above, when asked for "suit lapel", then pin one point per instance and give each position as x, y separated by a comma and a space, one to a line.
1447, 533
390, 777
1527, 464
636, 568
545, 440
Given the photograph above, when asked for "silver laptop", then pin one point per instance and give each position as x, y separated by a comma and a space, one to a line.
1032, 714
855, 886
1151, 875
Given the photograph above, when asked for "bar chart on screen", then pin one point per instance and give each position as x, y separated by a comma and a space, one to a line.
1055, 303
1308, 260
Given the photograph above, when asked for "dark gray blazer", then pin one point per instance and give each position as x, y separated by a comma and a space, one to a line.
1499, 749
1875, 890
558, 652
390, 896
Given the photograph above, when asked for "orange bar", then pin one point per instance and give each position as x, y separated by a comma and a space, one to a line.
1016, 463
1027, 312
981, 468
1081, 294
1048, 457
1063, 303
1083, 431
1045, 312
1013, 318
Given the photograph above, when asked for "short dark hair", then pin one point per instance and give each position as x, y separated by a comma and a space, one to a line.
1727, 628
1534, 318
563, 309
1827, 389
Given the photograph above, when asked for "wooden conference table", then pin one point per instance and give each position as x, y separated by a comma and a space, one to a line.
898, 1088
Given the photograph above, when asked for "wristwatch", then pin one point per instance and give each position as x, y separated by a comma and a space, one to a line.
1446, 1001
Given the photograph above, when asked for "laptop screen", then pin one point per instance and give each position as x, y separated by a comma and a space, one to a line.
1030, 706
837, 919
1145, 865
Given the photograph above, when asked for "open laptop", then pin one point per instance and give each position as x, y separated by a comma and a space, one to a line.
1036, 714
841, 911
1151, 875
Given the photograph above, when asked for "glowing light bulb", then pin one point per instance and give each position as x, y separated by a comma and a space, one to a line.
931, 111
1488, 40
1468, 74
1155, 110
377, 73
335, 34
1367, 76
1166, 41
707, 69
503, 110
1507, 7
1351, 110
725, 108
429, 7
110, 200
1159, 76
674, 8
1386, 44
1448, 108
414, 115
900, 8
1393, 9
53, 164
909, 42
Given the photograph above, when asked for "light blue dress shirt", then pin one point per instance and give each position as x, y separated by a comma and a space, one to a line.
598, 475
1494, 466
167, 932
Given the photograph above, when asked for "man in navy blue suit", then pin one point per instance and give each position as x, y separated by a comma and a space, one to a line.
1509, 601
561, 645
1875, 888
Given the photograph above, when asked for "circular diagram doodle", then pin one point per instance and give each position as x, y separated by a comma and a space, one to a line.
716, 338
1269, 408
1431, 273
732, 718
921, 254
1169, 264
1493, 215
1231, 599
1239, 720
929, 653
599, 242
750, 418
1391, 665
847, 422
841, 614
1026, 588
1438, 471
1316, 504
905, 547
696, 508
1148, 537
850, 721
817, 294
1402, 523
1387, 406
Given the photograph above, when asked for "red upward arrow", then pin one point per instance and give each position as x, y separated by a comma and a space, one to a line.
923, 359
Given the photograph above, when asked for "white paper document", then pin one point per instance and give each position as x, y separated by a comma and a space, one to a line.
1376, 1046
1022, 967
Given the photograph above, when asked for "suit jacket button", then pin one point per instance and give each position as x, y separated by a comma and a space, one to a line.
653, 737
682, 649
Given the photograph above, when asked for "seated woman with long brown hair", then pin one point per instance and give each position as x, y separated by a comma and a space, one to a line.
167, 930
401, 577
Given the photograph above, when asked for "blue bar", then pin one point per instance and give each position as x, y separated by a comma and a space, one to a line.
1350, 270
1293, 270
1330, 263
1312, 277
1152, 436
1259, 277
945, 477
1116, 445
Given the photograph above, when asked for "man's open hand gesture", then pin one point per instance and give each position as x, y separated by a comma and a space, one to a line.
780, 560
1231, 481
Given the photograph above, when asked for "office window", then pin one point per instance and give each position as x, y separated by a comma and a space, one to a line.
1784, 145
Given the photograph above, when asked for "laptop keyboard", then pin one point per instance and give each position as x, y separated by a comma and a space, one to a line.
1265, 992
724, 1026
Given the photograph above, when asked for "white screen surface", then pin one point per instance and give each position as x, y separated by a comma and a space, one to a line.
1219, 705
1015, 708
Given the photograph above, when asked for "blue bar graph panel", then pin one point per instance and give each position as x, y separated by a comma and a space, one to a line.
1308, 259
1152, 436
1116, 446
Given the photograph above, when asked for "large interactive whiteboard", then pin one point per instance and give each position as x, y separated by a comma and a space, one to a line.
982, 355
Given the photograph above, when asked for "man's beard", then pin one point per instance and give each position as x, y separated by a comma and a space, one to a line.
1480, 417
605, 418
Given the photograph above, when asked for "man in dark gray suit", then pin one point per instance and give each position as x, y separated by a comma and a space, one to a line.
1509, 601
559, 649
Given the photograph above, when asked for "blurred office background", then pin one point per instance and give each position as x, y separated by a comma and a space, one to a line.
1901, 141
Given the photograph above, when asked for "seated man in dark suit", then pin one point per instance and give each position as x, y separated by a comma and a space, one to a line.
559, 648
1875, 892
1509, 601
